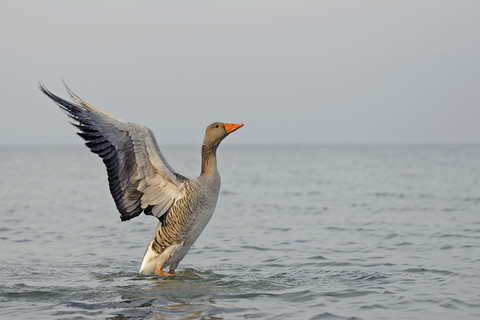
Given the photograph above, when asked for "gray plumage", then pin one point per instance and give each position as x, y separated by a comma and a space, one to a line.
141, 180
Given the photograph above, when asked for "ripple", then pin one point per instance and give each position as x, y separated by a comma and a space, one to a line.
334, 264
245, 295
349, 293
331, 316
371, 276
373, 306
424, 270
114, 275
317, 258
255, 248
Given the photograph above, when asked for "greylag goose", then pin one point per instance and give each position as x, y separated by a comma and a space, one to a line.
141, 180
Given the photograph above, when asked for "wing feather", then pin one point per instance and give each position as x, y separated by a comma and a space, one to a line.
140, 179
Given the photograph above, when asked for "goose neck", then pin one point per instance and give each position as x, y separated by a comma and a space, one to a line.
209, 159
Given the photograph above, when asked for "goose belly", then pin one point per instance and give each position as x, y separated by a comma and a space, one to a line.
197, 224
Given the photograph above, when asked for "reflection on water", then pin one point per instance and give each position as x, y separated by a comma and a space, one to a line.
169, 297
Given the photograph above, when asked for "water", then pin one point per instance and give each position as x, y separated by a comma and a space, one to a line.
299, 233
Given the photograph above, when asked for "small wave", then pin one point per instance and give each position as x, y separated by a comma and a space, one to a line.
249, 295
228, 192
331, 316
317, 258
349, 293
299, 296
21, 291
457, 235
370, 276
272, 262
404, 243
389, 194
280, 229
373, 307
254, 248
114, 275
424, 270
23, 240
334, 264
472, 199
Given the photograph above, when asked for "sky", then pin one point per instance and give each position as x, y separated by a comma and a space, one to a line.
294, 72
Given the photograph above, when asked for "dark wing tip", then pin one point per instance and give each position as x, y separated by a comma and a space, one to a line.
42, 88
125, 218
59, 101
99, 143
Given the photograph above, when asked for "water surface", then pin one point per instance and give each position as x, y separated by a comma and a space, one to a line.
299, 233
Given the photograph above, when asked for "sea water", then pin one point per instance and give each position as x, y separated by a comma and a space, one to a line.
310, 232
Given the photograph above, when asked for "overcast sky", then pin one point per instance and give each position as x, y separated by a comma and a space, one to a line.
295, 72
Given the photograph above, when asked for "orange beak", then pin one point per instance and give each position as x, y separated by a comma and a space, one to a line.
230, 127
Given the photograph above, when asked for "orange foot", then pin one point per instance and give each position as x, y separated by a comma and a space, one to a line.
160, 272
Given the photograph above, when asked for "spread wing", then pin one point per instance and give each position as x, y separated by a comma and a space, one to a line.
140, 178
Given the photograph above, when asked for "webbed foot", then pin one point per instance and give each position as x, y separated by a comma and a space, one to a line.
160, 272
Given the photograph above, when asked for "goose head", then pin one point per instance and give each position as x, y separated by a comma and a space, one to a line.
217, 131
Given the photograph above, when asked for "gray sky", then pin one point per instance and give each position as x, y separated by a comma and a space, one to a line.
295, 72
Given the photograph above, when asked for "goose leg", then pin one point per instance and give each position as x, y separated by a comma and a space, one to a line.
160, 272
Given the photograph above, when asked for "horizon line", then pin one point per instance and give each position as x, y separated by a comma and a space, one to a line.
256, 144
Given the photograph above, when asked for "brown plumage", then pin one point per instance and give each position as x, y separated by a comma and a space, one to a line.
141, 180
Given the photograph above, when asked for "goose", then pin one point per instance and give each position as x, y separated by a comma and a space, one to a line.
141, 180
